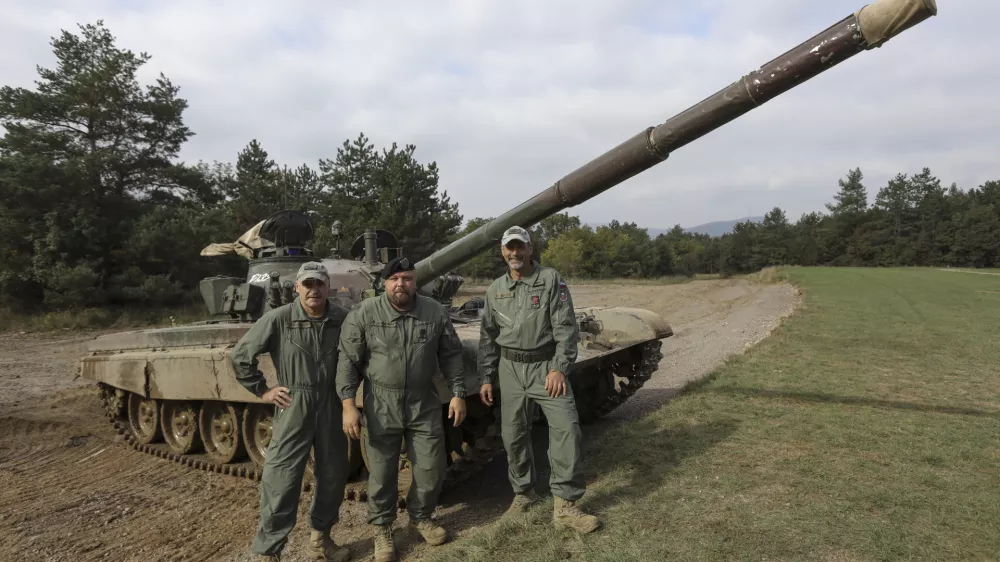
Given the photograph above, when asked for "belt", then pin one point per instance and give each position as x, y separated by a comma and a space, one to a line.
530, 356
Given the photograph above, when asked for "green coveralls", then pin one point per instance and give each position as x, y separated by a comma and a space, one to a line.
528, 329
304, 351
399, 353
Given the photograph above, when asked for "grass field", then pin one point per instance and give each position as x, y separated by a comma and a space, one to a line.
867, 427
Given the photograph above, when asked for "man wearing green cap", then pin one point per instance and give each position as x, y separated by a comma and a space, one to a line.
302, 339
527, 343
398, 342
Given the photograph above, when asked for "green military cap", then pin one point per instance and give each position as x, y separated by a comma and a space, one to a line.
313, 270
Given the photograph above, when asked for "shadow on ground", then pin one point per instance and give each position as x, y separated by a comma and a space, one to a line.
628, 465
823, 397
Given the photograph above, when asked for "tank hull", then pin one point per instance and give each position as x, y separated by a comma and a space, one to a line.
168, 390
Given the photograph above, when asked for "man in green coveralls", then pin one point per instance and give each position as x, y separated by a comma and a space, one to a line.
398, 341
302, 339
527, 343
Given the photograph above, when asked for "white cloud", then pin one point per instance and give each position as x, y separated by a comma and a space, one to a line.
508, 97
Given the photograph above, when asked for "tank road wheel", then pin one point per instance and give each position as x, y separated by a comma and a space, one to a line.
220, 431
143, 419
179, 422
257, 431
113, 400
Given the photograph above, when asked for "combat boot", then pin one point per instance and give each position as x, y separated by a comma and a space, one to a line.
566, 514
433, 533
385, 550
322, 547
522, 502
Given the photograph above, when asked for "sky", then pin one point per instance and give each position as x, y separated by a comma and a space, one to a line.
508, 97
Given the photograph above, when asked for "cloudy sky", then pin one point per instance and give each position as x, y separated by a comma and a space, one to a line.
507, 97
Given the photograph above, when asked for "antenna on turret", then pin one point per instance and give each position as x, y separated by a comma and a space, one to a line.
336, 230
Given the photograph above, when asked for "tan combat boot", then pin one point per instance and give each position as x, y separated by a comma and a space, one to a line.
385, 550
566, 514
322, 547
522, 502
433, 533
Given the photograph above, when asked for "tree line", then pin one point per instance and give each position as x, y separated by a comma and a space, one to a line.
96, 210
913, 221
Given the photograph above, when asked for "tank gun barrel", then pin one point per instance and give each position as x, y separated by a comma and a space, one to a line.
867, 28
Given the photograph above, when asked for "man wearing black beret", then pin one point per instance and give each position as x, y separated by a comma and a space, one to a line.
397, 342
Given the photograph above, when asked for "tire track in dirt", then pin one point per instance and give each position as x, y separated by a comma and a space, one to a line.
71, 489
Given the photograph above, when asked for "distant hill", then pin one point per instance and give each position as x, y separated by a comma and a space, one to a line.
718, 228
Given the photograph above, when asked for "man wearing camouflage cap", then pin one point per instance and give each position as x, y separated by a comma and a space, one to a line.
398, 342
302, 339
527, 344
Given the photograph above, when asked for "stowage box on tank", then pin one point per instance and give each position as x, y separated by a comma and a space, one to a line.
173, 392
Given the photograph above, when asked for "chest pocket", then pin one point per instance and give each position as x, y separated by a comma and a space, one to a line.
301, 334
331, 338
505, 308
537, 300
383, 336
424, 334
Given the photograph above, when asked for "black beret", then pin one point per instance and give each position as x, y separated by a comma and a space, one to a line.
395, 266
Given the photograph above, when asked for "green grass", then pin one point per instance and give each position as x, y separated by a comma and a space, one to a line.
867, 427
90, 318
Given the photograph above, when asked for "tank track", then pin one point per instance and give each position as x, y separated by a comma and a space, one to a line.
636, 377
635, 373
472, 459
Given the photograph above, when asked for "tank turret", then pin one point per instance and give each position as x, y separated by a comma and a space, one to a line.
172, 391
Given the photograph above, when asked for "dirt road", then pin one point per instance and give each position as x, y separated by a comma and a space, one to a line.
71, 490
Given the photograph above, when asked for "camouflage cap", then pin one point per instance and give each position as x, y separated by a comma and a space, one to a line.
313, 270
515, 233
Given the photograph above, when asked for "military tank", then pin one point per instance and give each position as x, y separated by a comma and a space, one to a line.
172, 391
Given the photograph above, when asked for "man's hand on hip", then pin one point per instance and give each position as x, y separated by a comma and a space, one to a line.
278, 395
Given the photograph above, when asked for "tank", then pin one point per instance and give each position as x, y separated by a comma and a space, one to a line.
172, 391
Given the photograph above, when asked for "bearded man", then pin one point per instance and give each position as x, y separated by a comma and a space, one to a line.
397, 342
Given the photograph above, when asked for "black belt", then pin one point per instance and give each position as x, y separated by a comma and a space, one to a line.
531, 356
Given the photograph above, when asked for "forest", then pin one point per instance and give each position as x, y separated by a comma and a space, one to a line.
96, 210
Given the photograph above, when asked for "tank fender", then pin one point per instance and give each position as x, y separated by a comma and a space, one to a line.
626, 326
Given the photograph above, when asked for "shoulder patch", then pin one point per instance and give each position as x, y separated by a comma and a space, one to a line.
563, 296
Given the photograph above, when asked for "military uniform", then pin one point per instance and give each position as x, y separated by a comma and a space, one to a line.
398, 354
304, 351
528, 329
